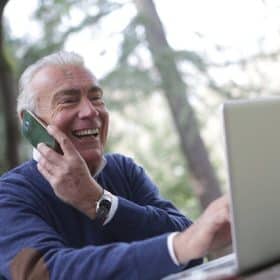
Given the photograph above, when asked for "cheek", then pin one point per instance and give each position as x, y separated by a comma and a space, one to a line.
56, 112
105, 117
61, 119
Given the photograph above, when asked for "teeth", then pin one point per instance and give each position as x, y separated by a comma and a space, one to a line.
87, 132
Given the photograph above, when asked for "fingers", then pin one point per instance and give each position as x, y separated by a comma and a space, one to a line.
222, 216
216, 215
209, 232
222, 202
47, 163
48, 153
65, 143
45, 169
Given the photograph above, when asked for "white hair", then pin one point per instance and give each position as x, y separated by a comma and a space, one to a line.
26, 98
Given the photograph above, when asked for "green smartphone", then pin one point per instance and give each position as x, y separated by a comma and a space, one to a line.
35, 131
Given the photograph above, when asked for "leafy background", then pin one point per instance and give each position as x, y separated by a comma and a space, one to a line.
166, 67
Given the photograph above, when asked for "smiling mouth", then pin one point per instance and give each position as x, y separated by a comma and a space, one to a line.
86, 133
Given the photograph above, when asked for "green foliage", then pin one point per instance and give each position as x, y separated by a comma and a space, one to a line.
126, 77
131, 72
58, 21
138, 128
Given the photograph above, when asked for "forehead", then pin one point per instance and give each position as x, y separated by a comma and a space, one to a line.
56, 78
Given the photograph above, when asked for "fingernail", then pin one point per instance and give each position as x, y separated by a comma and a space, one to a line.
39, 145
50, 128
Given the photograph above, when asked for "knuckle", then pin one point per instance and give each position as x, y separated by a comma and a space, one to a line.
42, 163
66, 173
73, 159
65, 170
47, 152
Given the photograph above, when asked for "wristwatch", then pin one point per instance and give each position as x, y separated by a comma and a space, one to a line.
103, 206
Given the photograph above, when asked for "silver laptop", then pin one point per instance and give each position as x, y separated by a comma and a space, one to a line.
252, 145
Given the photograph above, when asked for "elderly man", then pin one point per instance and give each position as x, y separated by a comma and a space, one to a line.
81, 214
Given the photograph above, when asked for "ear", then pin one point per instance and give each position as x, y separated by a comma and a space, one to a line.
20, 116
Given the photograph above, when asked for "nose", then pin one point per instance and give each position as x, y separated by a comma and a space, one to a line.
87, 109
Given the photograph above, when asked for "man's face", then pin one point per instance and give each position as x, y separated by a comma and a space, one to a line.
69, 97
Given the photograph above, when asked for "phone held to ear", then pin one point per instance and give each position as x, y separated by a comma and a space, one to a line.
35, 131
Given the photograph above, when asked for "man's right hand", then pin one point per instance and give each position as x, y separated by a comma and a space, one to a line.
68, 174
210, 232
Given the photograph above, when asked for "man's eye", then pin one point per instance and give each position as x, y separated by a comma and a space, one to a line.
68, 101
96, 99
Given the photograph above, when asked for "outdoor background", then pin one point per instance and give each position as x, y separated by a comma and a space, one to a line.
165, 66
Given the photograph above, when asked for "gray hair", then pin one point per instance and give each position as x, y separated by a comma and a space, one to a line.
26, 98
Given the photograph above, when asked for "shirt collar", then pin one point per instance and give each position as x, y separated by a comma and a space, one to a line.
36, 157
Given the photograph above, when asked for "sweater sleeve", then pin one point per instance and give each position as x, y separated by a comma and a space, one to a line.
141, 210
31, 249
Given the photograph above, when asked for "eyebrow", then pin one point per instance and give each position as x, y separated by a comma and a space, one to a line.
95, 89
67, 92
74, 92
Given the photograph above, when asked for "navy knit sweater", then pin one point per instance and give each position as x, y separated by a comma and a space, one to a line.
42, 237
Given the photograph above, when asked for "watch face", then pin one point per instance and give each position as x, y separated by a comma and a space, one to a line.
103, 209
105, 204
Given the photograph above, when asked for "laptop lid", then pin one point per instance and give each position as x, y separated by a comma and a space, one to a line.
252, 142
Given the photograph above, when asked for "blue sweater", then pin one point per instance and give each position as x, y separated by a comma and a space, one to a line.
45, 238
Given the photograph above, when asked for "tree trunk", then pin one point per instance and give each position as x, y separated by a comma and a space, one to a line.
206, 185
8, 102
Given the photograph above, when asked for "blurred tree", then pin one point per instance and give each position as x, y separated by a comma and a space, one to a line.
8, 101
175, 90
